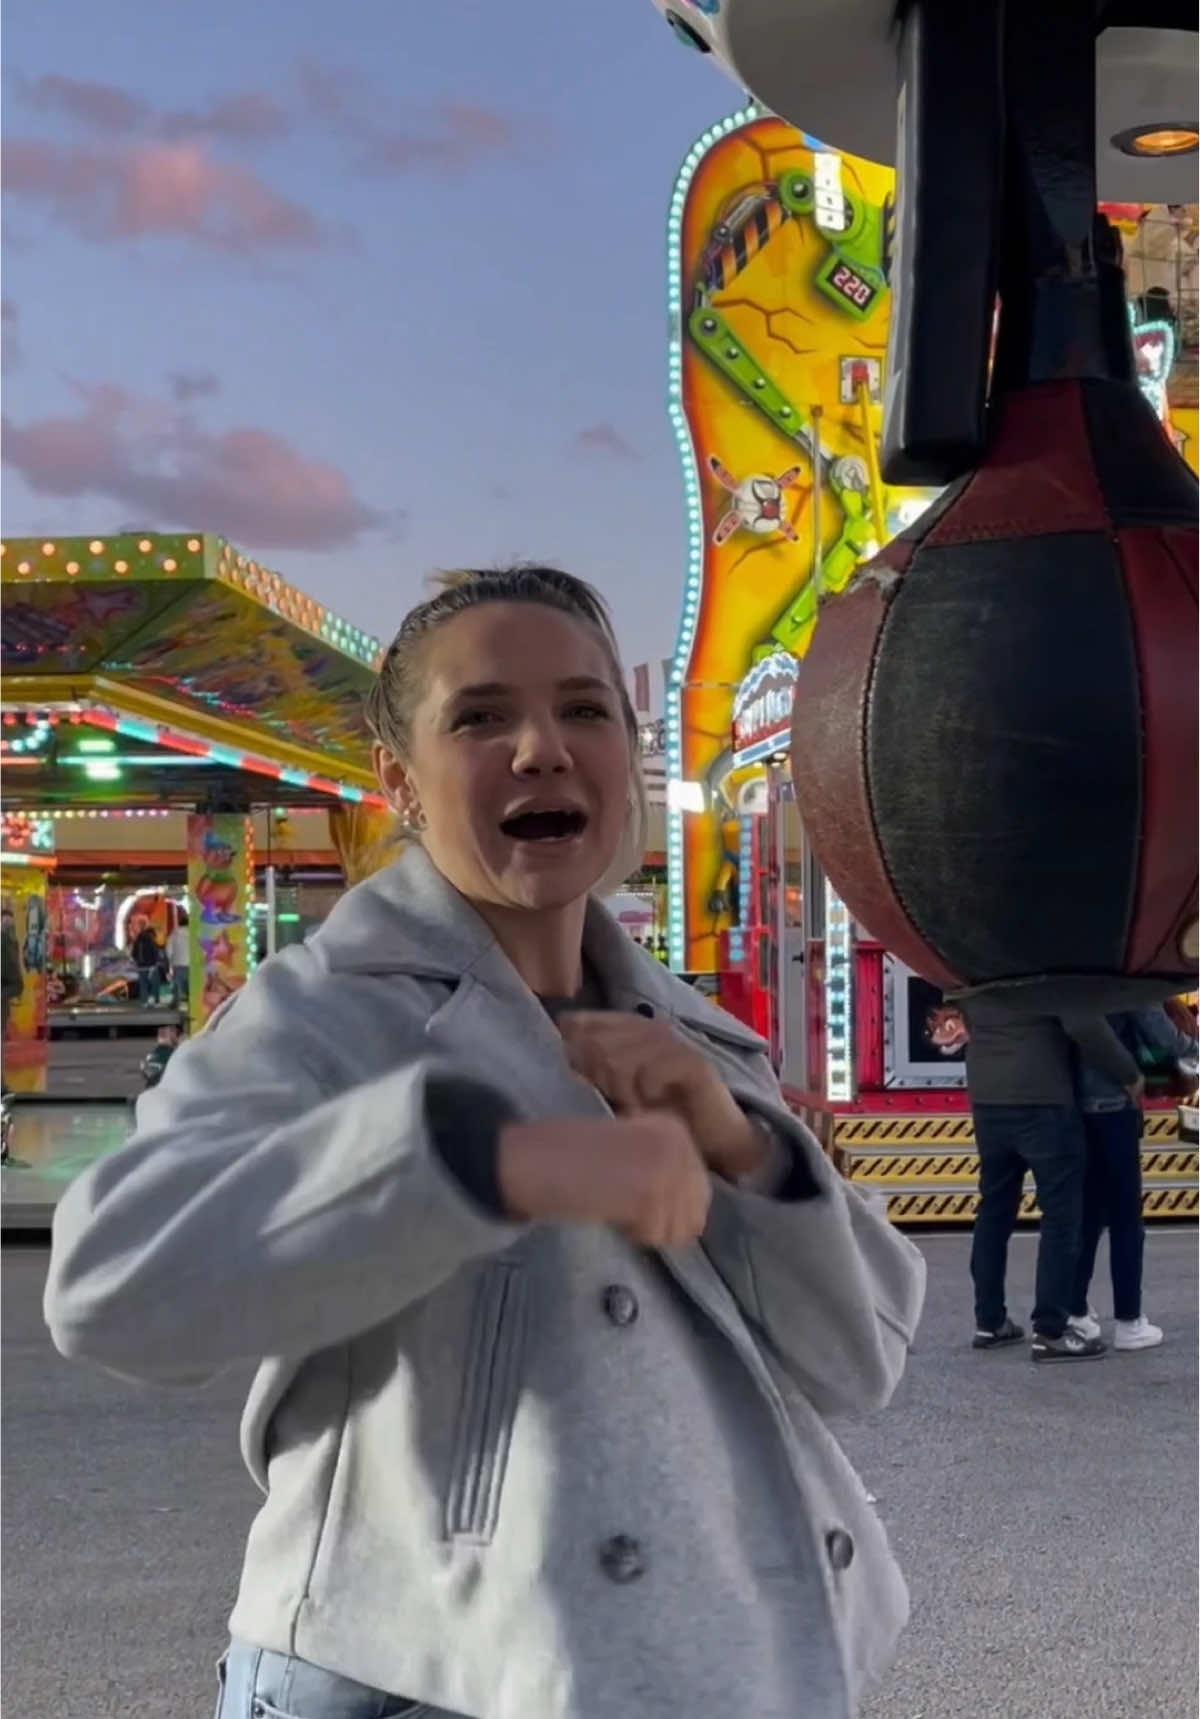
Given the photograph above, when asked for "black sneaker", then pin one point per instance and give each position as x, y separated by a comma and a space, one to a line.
1006, 1333
1071, 1346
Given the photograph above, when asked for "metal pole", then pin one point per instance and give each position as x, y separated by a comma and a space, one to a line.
816, 499
270, 882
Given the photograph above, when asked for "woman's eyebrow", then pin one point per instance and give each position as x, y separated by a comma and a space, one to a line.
584, 683
498, 689
482, 689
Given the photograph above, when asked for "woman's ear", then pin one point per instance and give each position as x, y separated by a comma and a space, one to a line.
395, 781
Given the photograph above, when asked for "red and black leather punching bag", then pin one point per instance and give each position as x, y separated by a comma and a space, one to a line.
995, 739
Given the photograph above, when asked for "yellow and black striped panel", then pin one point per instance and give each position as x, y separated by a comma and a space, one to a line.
754, 231
855, 1132
1180, 1165
950, 1205
948, 1168
875, 1131
930, 1167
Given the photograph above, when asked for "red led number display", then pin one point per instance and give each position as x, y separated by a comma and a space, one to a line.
852, 286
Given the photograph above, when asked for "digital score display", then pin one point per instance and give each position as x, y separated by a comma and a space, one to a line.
850, 285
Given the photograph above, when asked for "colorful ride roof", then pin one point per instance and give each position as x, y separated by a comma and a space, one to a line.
218, 680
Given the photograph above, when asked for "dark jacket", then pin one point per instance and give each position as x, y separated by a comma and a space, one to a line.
147, 950
1015, 1058
12, 977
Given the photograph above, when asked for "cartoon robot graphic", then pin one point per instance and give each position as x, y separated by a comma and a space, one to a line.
756, 503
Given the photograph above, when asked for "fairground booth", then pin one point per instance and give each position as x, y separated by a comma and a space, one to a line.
779, 300
183, 749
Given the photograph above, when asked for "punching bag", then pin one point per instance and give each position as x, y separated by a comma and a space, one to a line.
994, 747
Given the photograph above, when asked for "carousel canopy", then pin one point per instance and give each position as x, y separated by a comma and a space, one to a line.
169, 670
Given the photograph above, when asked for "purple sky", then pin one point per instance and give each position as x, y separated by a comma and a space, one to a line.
366, 303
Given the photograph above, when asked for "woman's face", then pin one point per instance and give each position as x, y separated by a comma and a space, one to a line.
519, 762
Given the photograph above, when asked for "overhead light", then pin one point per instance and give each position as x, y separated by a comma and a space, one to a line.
685, 796
1153, 142
155, 760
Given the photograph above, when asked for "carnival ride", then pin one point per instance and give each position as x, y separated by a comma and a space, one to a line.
167, 673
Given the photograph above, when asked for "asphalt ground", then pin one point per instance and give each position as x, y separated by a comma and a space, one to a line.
1045, 1517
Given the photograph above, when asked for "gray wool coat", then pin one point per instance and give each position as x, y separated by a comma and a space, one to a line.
518, 1472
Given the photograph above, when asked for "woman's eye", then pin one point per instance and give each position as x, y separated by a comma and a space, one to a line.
476, 718
587, 713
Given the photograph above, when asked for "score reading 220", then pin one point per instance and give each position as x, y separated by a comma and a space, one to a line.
852, 286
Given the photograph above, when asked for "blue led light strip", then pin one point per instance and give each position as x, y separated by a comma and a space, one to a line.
839, 998
693, 587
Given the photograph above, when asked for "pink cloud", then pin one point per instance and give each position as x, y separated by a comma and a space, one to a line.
449, 139
156, 463
101, 107
459, 136
248, 116
605, 439
159, 190
251, 117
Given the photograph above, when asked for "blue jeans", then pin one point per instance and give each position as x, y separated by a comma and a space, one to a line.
1047, 1139
149, 980
1112, 1197
256, 1684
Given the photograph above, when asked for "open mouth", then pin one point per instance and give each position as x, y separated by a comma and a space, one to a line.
549, 826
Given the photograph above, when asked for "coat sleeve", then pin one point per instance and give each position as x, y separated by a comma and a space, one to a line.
828, 1283
258, 1209
1158, 1031
1101, 1049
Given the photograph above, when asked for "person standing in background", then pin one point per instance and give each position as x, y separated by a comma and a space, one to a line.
179, 954
1112, 1188
12, 974
1021, 1080
146, 954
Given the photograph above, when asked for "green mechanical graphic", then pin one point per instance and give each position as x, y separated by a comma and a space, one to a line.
852, 275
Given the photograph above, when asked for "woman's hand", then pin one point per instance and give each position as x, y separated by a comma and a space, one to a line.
641, 1065
640, 1174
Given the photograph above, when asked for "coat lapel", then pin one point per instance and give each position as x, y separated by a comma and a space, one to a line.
408, 920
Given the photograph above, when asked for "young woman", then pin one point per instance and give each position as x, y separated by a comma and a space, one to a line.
1112, 1189
554, 1292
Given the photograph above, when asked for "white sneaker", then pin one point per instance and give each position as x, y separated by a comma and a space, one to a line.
1136, 1334
1087, 1325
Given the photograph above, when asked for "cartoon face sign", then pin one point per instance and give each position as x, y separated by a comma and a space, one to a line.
946, 1030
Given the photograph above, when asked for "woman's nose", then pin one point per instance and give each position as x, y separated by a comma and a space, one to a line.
541, 750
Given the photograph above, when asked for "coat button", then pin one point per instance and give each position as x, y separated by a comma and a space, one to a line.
839, 1548
622, 1559
620, 1304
